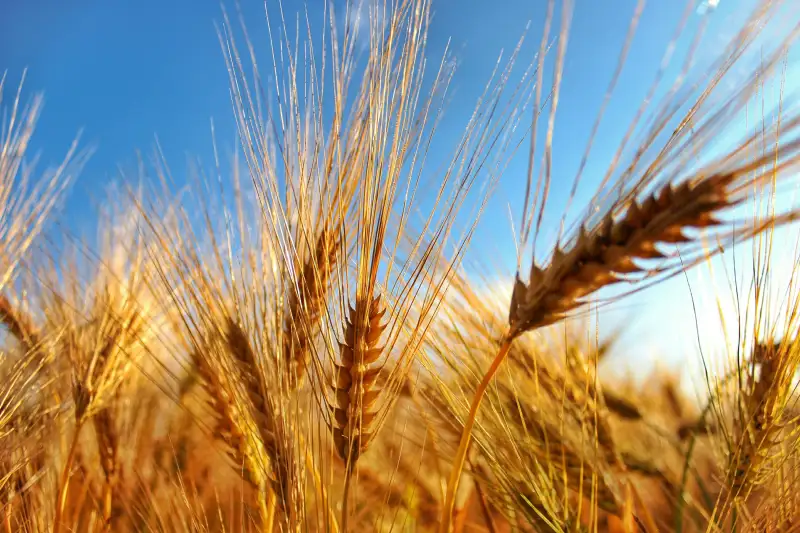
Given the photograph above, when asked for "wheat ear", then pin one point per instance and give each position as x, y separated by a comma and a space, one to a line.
353, 413
607, 255
239, 347
281, 454
764, 405
228, 422
306, 304
764, 401
233, 425
99, 366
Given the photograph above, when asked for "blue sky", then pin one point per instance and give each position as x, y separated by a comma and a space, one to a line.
125, 72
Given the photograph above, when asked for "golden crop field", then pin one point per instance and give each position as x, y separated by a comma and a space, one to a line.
305, 339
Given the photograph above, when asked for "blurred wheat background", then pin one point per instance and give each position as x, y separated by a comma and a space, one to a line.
379, 302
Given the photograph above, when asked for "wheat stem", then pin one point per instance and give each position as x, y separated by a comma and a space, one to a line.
107, 503
345, 499
268, 519
466, 434
7, 517
323, 494
64, 482
263, 510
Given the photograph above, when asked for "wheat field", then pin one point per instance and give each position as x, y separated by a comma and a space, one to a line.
304, 339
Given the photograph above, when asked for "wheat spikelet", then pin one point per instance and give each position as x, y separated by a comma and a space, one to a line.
356, 375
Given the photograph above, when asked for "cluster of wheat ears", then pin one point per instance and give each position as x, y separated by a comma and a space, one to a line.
295, 344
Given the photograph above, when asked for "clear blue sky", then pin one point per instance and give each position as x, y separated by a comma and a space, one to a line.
128, 70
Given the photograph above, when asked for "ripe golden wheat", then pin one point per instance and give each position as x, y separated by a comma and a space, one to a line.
309, 354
